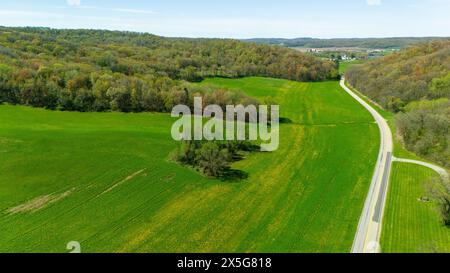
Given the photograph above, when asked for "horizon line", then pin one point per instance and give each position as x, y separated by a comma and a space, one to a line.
228, 37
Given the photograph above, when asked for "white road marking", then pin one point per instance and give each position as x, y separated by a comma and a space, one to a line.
367, 239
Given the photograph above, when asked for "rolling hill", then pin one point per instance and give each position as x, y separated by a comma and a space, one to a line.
415, 84
367, 43
104, 179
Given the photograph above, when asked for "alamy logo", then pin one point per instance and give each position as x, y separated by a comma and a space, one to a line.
239, 122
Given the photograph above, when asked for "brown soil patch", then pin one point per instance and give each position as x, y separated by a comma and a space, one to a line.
39, 203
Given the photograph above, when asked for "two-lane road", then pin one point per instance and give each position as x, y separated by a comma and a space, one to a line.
367, 238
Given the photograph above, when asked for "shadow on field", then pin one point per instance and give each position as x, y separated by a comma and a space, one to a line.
251, 148
286, 121
233, 176
246, 149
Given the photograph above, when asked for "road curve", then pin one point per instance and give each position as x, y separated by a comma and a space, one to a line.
367, 239
441, 171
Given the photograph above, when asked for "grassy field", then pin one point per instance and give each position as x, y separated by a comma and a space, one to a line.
399, 149
411, 225
345, 65
103, 179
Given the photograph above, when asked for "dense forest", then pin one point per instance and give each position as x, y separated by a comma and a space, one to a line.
415, 83
368, 43
93, 70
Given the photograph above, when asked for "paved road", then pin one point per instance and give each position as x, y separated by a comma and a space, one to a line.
367, 239
441, 171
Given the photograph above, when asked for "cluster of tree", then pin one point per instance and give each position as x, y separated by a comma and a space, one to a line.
368, 43
417, 73
425, 129
213, 158
93, 70
415, 83
439, 190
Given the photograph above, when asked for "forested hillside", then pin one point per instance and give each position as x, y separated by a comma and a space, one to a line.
90, 70
415, 83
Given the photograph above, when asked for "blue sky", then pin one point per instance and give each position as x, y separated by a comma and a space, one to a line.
238, 19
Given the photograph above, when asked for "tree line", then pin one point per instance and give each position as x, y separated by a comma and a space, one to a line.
415, 84
440, 191
368, 43
94, 70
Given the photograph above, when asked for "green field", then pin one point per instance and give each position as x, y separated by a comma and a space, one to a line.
345, 65
103, 179
399, 150
411, 225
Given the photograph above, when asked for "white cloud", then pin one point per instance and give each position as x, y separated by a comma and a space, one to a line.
373, 2
137, 11
73, 2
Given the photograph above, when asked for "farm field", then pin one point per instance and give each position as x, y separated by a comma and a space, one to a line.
345, 65
411, 225
104, 179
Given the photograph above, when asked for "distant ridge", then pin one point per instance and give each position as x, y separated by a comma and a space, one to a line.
373, 43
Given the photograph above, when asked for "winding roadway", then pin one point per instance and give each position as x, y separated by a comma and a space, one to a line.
441, 171
367, 239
